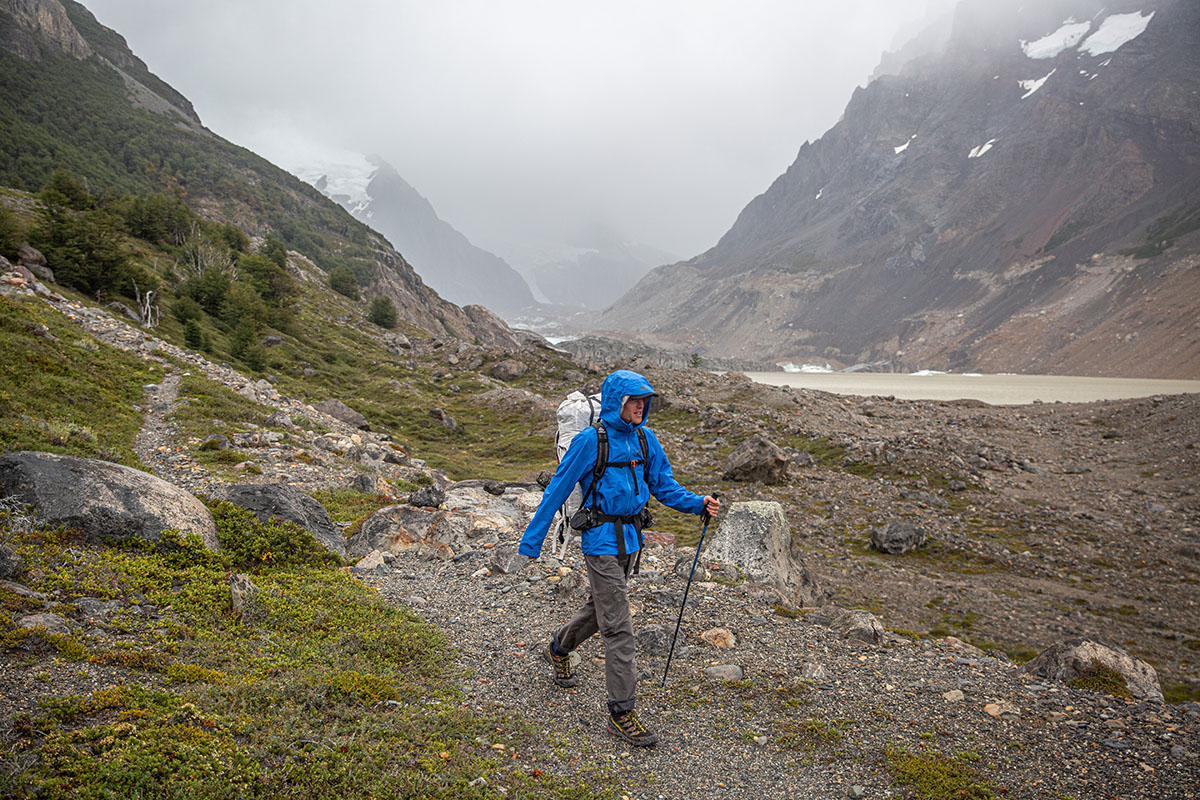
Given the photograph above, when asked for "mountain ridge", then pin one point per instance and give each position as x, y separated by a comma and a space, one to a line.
961, 195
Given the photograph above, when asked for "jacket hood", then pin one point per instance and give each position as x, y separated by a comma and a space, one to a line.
616, 387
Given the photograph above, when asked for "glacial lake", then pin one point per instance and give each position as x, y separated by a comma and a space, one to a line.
991, 389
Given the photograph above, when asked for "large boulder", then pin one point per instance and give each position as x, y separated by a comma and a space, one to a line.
1079, 658
104, 500
757, 459
754, 536
339, 410
509, 370
897, 537
391, 530
470, 517
280, 501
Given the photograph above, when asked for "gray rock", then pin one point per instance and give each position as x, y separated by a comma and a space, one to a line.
395, 342
393, 529
32, 258
95, 607
22, 590
278, 500
243, 593
445, 420
106, 501
279, 419
757, 459
861, 625
339, 410
215, 441
724, 672
509, 370
654, 640
428, 496
754, 536
53, 623
812, 671
366, 484
506, 560
12, 566
1075, 657
898, 536
683, 568
494, 488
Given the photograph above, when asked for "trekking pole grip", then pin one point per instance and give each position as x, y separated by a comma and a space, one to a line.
704, 515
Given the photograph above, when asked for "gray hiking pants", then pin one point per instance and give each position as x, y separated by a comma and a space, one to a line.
607, 612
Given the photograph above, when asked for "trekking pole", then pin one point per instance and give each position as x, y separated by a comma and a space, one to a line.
705, 517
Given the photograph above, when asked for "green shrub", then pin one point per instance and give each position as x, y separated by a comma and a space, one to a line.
248, 544
10, 234
343, 281
383, 312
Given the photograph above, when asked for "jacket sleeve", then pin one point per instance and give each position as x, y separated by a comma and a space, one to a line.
662, 482
579, 461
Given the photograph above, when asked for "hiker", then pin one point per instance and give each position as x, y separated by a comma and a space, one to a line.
611, 520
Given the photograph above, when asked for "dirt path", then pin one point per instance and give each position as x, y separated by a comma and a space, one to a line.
153, 442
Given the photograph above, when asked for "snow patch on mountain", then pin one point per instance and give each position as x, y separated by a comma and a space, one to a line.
342, 177
1032, 86
1066, 37
1115, 32
976, 152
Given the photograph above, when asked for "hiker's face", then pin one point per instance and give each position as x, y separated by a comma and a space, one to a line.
633, 410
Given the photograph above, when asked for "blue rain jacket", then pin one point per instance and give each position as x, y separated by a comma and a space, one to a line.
621, 492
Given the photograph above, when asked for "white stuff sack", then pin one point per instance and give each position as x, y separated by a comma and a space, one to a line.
576, 412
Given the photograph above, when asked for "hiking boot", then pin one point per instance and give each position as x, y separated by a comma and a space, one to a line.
628, 727
562, 667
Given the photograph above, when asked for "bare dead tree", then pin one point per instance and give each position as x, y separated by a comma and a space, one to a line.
148, 310
202, 257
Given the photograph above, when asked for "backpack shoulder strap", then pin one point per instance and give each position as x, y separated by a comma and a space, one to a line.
601, 459
645, 455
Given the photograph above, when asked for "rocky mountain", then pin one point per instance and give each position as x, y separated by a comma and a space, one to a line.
372, 190
77, 99
1020, 195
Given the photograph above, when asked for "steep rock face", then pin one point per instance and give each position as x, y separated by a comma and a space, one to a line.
49, 19
445, 258
954, 216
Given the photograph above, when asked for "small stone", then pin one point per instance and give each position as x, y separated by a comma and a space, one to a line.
856, 791
954, 696
1003, 708
719, 637
724, 672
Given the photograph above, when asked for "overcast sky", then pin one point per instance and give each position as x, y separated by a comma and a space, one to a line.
523, 120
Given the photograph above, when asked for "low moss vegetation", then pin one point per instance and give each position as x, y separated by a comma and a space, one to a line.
1101, 678
320, 690
931, 776
64, 392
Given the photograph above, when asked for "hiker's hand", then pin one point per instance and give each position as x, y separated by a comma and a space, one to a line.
711, 505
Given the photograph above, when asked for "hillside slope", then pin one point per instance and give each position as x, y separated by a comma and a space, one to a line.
76, 98
1026, 198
